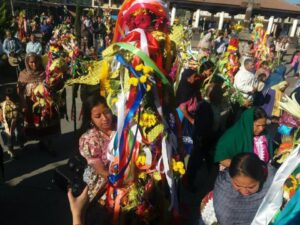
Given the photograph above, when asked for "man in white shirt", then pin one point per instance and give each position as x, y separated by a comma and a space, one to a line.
33, 46
245, 80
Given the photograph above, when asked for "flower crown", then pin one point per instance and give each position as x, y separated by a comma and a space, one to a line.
141, 14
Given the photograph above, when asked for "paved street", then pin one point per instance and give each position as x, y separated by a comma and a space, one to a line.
27, 197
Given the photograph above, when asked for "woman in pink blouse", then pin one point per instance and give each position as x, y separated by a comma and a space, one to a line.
97, 130
187, 97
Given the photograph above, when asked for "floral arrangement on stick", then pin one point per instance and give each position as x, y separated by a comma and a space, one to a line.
134, 79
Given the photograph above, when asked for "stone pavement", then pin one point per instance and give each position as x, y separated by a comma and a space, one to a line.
27, 196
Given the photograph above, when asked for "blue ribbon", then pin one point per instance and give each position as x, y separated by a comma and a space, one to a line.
291, 212
284, 130
114, 178
141, 91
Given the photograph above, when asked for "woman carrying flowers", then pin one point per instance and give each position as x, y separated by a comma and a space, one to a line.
41, 118
98, 128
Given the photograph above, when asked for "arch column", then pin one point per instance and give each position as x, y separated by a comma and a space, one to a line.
196, 22
270, 25
294, 28
221, 20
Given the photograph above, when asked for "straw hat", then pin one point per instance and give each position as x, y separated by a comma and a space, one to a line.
13, 61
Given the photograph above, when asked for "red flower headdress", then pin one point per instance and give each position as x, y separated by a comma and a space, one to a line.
141, 14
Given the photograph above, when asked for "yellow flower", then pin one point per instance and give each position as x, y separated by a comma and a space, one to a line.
182, 171
139, 67
147, 70
156, 176
175, 168
133, 81
114, 100
180, 165
142, 175
141, 160
148, 87
143, 79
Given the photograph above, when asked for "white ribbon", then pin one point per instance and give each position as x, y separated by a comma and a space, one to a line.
167, 144
143, 40
110, 152
120, 105
148, 156
273, 199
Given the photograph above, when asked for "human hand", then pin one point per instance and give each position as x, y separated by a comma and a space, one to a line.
247, 103
192, 121
254, 89
78, 205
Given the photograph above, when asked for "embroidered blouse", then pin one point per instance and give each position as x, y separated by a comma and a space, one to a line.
93, 146
261, 148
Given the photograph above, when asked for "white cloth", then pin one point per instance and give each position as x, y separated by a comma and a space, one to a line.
273, 199
34, 47
245, 81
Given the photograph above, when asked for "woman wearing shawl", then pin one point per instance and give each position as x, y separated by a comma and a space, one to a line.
187, 97
238, 191
40, 117
246, 135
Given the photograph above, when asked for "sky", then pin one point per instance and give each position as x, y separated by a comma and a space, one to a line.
294, 1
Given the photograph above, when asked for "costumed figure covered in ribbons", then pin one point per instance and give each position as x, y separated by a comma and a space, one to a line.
22, 26
41, 117
186, 58
281, 204
231, 58
228, 66
64, 61
143, 155
64, 57
264, 53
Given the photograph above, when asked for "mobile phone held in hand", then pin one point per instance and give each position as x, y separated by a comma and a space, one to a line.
70, 176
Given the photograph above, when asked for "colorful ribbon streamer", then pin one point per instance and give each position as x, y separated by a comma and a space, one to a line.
135, 105
148, 61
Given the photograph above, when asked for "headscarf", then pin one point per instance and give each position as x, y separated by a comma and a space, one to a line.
233, 208
28, 75
238, 138
185, 89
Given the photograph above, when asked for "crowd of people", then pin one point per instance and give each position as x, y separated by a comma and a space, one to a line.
164, 115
